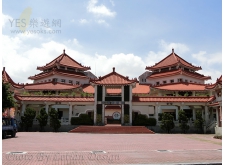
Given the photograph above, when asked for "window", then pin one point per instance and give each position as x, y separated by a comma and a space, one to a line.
142, 80
190, 81
186, 80
180, 80
49, 80
164, 82
77, 83
157, 83
55, 79
70, 81
171, 81
63, 80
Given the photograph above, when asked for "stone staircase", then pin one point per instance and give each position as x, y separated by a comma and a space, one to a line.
112, 130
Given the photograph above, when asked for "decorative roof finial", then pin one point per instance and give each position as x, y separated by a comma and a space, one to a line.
113, 69
3, 68
172, 50
64, 51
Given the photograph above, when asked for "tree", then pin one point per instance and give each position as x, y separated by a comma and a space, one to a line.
27, 119
183, 120
199, 121
167, 122
42, 119
7, 97
54, 121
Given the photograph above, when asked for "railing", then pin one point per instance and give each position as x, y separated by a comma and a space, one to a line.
64, 121
211, 125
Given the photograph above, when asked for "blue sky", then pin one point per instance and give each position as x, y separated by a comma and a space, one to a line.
128, 35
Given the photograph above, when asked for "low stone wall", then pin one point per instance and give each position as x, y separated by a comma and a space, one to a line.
218, 131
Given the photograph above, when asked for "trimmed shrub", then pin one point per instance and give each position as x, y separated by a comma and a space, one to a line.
143, 120
151, 122
126, 118
83, 119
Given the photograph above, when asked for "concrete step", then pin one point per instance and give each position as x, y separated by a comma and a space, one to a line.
112, 129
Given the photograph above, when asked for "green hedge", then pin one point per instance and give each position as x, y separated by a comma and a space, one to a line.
142, 120
83, 119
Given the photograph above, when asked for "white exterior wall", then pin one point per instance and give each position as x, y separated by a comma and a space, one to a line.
145, 109
65, 112
82, 109
175, 78
59, 77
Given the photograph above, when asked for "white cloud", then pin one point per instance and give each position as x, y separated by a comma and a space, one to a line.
126, 64
112, 2
101, 21
5, 20
83, 21
100, 10
208, 59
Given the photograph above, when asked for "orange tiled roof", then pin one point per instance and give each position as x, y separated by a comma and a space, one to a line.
181, 86
56, 71
64, 60
172, 60
216, 104
170, 99
54, 98
218, 81
50, 86
113, 78
178, 72
7, 79
139, 89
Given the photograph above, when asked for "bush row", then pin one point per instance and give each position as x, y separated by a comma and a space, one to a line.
142, 120
83, 119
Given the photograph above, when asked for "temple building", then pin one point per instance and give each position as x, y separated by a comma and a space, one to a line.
166, 87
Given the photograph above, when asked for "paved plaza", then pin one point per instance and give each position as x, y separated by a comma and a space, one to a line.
76, 148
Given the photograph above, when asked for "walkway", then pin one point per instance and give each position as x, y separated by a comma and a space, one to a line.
81, 148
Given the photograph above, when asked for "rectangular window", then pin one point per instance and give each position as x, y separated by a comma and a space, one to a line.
55, 79
157, 83
63, 80
180, 80
70, 81
49, 80
171, 81
186, 80
164, 82
190, 81
77, 83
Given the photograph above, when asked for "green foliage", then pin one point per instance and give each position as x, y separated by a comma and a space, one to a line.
42, 119
55, 123
159, 116
83, 119
151, 122
183, 120
99, 119
126, 118
27, 119
199, 122
7, 97
167, 122
143, 120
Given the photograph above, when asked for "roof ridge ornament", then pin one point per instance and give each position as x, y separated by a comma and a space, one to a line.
64, 51
172, 50
113, 69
